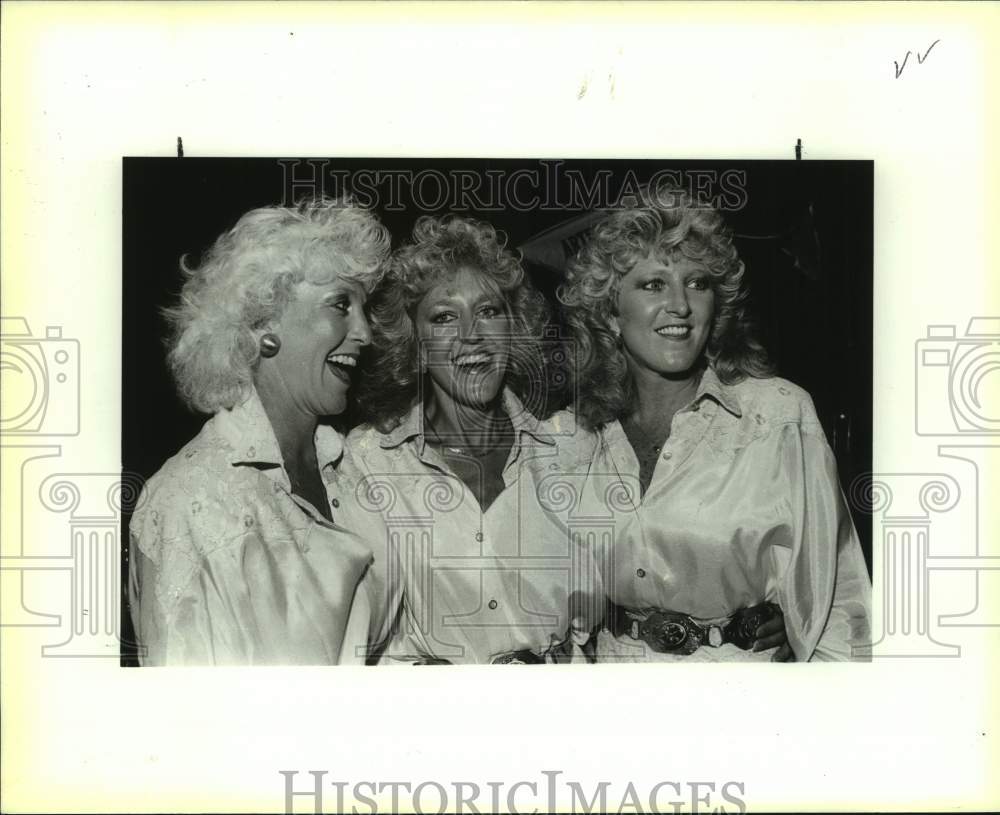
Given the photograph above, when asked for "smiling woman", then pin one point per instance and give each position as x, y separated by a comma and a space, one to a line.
453, 467
236, 556
731, 510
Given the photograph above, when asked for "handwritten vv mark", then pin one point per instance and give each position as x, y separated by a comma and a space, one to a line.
920, 59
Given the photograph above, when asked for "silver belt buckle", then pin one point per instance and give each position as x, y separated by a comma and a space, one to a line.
715, 636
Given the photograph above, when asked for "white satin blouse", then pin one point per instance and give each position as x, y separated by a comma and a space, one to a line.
228, 567
744, 506
464, 584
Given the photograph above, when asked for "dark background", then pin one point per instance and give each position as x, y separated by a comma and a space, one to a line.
805, 234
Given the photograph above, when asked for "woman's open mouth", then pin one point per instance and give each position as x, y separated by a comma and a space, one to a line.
472, 360
342, 366
675, 332
474, 366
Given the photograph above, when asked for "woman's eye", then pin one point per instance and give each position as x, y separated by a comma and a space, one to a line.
443, 317
489, 312
343, 306
652, 285
698, 283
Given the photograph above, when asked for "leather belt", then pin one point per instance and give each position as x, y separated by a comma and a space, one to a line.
509, 658
518, 658
671, 632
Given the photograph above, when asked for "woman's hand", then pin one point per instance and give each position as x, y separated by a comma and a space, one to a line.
772, 635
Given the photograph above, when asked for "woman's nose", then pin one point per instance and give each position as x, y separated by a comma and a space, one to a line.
471, 328
677, 300
360, 331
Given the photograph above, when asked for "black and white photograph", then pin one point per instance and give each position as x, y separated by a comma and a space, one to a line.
501, 411
355, 356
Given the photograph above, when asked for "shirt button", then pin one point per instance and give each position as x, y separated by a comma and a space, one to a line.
479, 537
640, 572
668, 455
334, 503
493, 604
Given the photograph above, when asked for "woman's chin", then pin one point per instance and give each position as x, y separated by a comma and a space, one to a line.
480, 392
481, 398
334, 405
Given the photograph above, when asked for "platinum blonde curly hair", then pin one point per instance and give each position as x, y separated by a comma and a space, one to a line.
245, 280
666, 221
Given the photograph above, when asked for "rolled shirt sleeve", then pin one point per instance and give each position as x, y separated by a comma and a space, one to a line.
825, 591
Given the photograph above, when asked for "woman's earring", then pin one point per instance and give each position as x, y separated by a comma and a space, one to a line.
269, 345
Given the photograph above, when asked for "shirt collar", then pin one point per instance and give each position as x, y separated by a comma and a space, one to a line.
725, 395
248, 432
709, 387
522, 420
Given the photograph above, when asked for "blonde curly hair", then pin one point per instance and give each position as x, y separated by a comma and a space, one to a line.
245, 280
665, 220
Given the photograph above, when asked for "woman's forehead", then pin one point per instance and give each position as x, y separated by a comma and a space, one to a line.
465, 282
323, 267
335, 284
669, 260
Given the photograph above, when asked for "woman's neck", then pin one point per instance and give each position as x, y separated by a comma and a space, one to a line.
467, 426
294, 429
657, 396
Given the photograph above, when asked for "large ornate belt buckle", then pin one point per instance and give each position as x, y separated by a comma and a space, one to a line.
517, 658
715, 638
742, 629
670, 633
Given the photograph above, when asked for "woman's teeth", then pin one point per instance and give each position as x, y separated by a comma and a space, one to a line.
340, 366
674, 331
472, 359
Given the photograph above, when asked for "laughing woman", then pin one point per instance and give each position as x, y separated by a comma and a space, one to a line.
235, 555
450, 470
733, 509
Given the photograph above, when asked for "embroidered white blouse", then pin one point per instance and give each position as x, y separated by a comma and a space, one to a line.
744, 506
470, 586
227, 566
